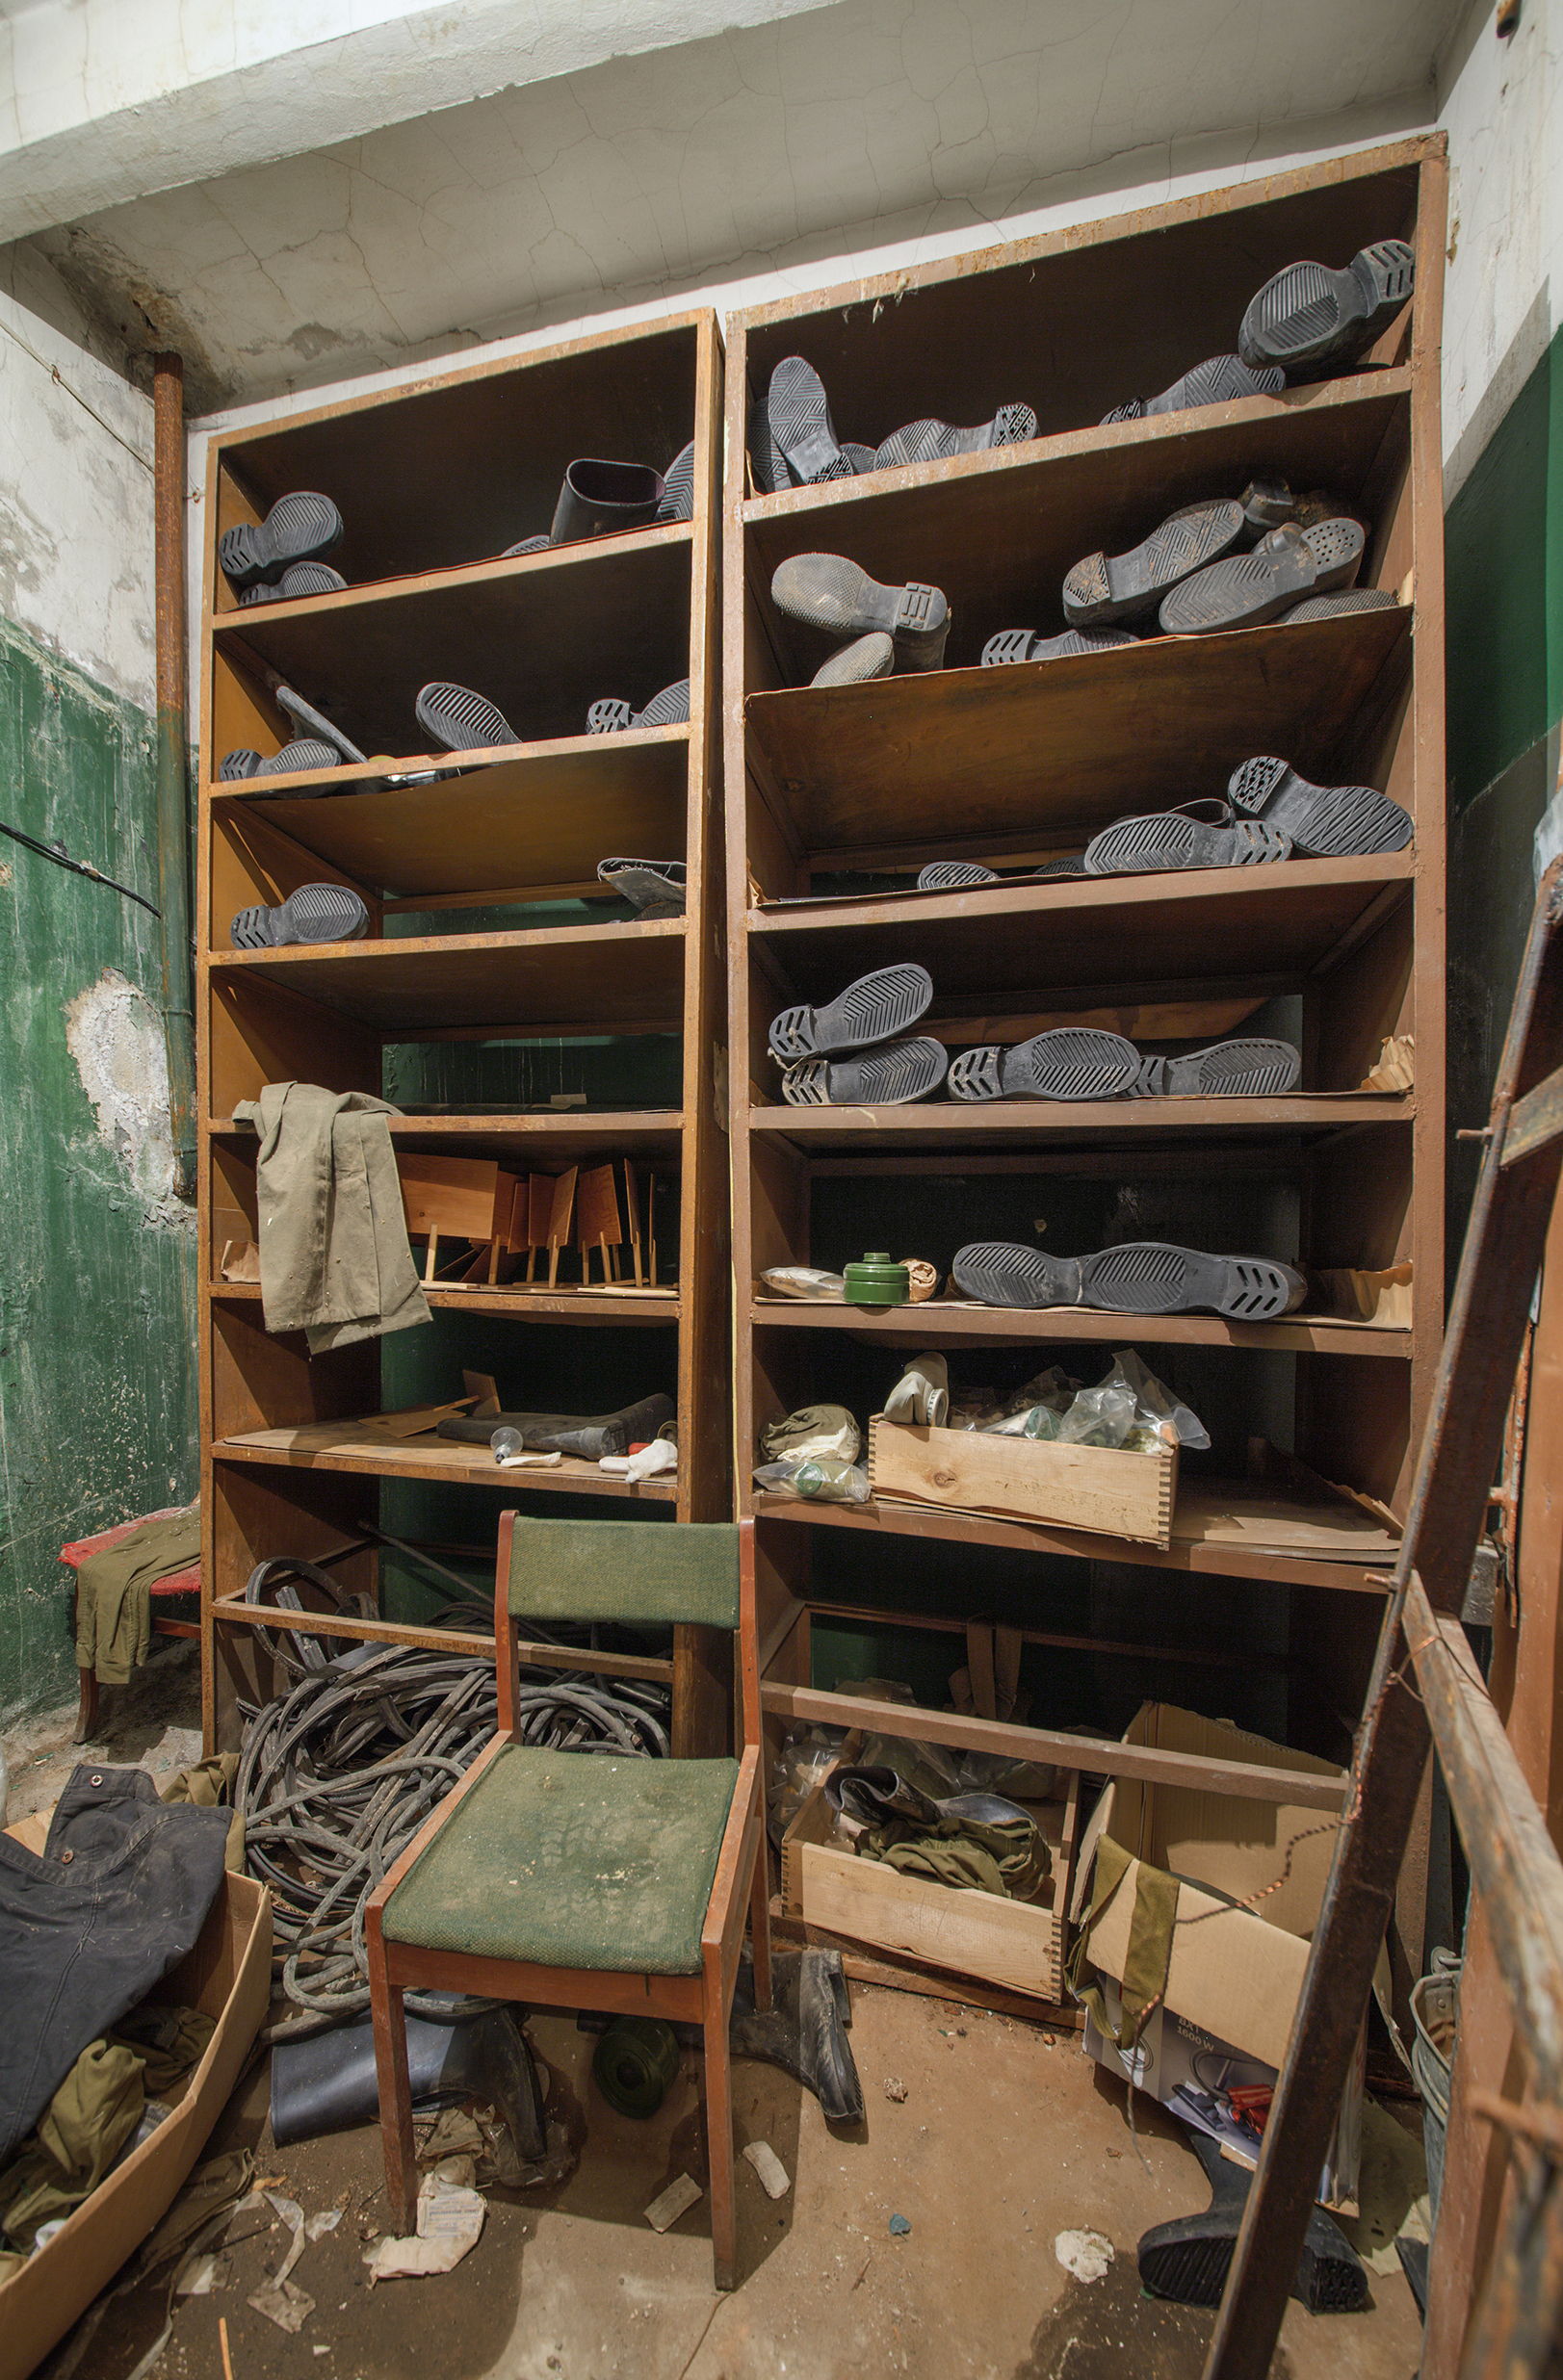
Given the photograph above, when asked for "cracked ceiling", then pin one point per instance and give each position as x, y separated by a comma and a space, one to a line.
761, 150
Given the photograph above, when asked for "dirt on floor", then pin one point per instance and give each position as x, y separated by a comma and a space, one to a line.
1007, 2137
988, 2137
152, 1724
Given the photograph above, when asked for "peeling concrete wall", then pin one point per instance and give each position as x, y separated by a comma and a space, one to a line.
98, 1349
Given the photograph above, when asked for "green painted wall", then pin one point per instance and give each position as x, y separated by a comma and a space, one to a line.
1504, 566
99, 1398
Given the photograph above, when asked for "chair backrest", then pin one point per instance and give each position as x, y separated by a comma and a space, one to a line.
648, 1573
687, 1574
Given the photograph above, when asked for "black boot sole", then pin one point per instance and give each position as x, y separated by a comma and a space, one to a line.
1321, 821
798, 411
1229, 1069
829, 592
298, 529
1220, 380
459, 720
934, 442
1072, 1062
316, 913
1105, 587
1143, 1276
875, 1009
1028, 644
1309, 317
1248, 589
889, 1078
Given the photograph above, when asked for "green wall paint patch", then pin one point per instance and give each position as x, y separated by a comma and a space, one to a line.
98, 1399
1503, 539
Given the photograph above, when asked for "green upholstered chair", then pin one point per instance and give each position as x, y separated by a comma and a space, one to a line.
574, 1880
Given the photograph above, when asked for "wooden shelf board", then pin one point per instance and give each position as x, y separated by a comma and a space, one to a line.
473, 448
1098, 1755
563, 1135
606, 979
230, 1611
891, 1520
543, 637
533, 821
938, 1320
928, 1128
1060, 747
992, 945
348, 1446
998, 530
519, 1303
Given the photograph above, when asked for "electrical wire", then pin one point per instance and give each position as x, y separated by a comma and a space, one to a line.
338, 1774
80, 867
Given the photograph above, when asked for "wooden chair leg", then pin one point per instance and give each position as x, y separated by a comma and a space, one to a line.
395, 2086
760, 1918
719, 2134
87, 1715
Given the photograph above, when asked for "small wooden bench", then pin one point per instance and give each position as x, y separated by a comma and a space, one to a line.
186, 1582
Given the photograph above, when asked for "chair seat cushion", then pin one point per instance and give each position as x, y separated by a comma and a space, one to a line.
569, 1859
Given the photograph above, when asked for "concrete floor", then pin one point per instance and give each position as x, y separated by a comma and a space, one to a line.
1006, 2136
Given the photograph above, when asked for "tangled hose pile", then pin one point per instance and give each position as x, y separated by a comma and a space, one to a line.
338, 1774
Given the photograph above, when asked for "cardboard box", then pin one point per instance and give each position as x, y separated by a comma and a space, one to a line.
1235, 1974
1094, 1488
228, 1973
1013, 1943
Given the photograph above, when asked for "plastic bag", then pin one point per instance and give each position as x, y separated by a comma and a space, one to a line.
824, 1479
1154, 1400
803, 1281
1099, 1417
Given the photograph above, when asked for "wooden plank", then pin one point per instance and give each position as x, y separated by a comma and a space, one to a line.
1537, 1119
941, 1320
345, 1446
957, 1991
1086, 1487
560, 978
1005, 1942
533, 826
1074, 743
533, 1655
1129, 1126
1099, 1755
459, 1196
1072, 934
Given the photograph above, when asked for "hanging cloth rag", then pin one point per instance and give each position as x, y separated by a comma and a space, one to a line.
114, 1592
334, 1258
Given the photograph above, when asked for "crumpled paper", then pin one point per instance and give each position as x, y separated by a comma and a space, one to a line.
450, 2220
280, 2299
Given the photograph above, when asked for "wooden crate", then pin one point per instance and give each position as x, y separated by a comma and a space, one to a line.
1019, 1945
1094, 1488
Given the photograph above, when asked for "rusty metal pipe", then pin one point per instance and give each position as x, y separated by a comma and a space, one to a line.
173, 766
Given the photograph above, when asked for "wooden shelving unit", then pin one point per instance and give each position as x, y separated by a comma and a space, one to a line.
1015, 765
478, 886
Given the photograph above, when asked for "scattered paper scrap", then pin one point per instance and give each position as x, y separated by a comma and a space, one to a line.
899, 2228
1086, 2254
449, 2219
675, 2200
772, 2173
278, 2298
